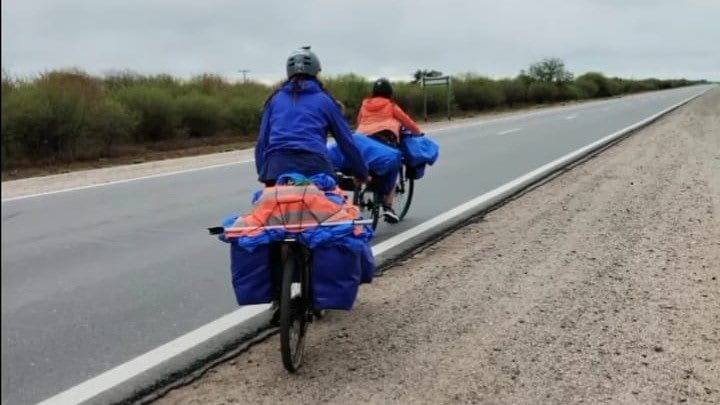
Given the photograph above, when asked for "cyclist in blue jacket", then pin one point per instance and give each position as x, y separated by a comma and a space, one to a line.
295, 124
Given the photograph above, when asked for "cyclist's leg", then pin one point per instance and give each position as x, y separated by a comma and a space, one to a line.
389, 180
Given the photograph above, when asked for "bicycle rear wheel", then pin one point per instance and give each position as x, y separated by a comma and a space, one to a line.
403, 193
293, 308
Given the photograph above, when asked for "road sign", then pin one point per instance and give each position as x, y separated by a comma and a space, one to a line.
426, 81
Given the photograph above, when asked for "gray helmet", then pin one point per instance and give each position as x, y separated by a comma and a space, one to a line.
303, 61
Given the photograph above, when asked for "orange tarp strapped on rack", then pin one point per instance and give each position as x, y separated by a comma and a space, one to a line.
300, 207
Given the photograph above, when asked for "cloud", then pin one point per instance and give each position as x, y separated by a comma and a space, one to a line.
370, 38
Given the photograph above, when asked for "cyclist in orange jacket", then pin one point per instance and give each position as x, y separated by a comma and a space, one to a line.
380, 118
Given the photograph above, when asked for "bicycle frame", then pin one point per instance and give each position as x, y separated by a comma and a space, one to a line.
403, 188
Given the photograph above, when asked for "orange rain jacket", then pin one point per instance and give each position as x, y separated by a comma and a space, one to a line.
380, 113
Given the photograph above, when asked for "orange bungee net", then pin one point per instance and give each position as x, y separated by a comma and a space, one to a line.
295, 209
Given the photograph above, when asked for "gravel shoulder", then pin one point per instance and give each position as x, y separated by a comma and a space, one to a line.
600, 286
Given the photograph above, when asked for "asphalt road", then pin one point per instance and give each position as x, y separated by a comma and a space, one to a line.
92, 278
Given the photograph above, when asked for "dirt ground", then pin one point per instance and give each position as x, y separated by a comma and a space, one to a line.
601, 286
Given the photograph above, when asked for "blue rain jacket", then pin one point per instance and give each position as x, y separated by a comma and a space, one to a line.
296, 121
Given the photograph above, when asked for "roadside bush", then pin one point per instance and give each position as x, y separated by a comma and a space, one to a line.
7, 144
110, 125
410, 97
477, 93
46, 120
606, 87
542, 92
651, 84
157, 112
8, 84
634, 86
200, 114
587, 88
120, 79
569, 91
349, 90
207, 84
28, 126
69, 115
242, 115
614, 86
515, 91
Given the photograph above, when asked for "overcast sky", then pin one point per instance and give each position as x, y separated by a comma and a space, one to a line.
498, 38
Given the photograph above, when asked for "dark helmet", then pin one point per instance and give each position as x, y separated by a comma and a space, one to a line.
382, 87
303, 61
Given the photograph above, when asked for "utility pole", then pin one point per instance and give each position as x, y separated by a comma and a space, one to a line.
244, 72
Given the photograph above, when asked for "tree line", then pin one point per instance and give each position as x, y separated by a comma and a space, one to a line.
69, 115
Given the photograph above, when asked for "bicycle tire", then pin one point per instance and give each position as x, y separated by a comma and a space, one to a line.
376, 202
403, 194
367, 204
293, 322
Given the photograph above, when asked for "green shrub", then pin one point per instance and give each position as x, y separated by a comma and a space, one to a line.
474, 93
350, 90
410, 97
542, 92
156, 109
242, 116
68, 115
515, 91
587, 88
606, 87
46, 120
208, 84
110, 125
569, 91
200, 114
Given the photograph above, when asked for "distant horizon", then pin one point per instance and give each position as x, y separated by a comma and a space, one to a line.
238, 77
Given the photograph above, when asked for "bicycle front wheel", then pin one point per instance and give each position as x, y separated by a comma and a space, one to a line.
293, 307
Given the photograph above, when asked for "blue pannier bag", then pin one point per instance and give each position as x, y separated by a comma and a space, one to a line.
419, 150
416, 172
335, 276
251, 274
367, 264
379, 157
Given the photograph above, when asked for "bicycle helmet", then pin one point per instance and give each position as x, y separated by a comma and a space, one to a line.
303, 61
382, 87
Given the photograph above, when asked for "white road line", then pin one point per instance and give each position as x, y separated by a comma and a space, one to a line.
509, 131
91, 388
110, 183
124, 372
571, 117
